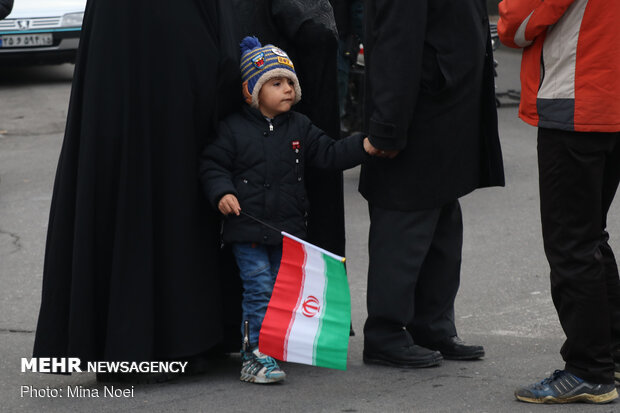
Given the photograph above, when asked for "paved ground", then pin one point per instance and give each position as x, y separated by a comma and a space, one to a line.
503, 303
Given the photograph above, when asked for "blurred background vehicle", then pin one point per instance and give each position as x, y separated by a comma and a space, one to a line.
39, 31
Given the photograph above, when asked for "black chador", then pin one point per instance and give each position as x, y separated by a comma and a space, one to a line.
132, 263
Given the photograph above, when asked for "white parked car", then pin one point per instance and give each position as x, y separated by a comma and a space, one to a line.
41, 31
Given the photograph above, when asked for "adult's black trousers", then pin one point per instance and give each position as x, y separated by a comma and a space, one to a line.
413, 275
579, 174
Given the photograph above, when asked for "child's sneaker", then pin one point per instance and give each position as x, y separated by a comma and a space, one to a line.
564, 387
260, 368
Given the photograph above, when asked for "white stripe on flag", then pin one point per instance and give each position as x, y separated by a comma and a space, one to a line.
302, 335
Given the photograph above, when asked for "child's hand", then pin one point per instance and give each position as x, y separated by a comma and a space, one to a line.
371, 150
229, 205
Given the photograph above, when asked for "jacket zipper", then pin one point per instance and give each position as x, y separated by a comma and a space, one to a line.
297, 161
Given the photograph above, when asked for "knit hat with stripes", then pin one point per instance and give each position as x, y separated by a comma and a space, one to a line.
262, 63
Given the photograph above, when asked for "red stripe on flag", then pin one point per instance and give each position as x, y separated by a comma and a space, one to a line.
285, 299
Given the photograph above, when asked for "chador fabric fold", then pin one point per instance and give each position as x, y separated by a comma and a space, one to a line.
132, 263
5, 8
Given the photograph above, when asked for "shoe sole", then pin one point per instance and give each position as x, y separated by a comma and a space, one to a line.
415, 365
473, 356
584, 398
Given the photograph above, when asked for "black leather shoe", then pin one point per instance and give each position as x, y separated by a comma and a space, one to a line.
453, 348
408, 357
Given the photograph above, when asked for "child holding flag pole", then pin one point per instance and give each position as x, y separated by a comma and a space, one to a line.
257, 163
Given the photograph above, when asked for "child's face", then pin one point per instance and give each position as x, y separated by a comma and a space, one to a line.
276, 96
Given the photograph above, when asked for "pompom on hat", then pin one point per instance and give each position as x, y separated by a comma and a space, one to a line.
260, 63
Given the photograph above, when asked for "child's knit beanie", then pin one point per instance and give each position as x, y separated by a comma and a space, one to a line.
262, 63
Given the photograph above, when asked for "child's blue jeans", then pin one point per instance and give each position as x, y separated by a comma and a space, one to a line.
258, 267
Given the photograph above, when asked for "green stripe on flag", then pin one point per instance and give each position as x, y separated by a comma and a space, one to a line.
332, 341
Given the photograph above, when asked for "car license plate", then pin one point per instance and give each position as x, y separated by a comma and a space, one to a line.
26, 40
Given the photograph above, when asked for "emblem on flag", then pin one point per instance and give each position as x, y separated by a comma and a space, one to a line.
311, 306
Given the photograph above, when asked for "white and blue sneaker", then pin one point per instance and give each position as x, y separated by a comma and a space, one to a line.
564, 387
260, 368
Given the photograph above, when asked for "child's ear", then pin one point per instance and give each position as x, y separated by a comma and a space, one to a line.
246, 93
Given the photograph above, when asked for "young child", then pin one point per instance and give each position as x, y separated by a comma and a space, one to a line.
256, 165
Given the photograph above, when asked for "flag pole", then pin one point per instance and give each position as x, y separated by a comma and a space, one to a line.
246, 336
261, 222
331, 254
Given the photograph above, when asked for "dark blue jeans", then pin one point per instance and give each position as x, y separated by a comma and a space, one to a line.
258, 267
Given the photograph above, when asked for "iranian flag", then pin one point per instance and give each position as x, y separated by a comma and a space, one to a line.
309, 315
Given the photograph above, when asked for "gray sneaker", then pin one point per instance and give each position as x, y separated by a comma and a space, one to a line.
564, 387
260, 368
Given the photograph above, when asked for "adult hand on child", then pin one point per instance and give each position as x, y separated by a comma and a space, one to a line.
229, 205
371, 150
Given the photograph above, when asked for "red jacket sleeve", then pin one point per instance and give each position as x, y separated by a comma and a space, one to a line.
521, 21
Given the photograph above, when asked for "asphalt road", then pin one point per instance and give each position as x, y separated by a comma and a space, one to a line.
504, 300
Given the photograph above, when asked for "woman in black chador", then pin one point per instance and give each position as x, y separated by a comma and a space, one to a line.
131, 263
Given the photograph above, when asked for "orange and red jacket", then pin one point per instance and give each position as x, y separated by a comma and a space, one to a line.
570, 70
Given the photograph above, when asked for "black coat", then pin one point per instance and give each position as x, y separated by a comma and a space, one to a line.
430, 94
131, 266
306, 30
264, 168
5, 8
342, 16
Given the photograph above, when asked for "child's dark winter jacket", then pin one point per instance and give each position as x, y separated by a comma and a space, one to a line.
263, 166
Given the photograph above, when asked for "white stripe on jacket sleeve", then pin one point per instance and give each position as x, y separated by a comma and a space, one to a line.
520, 39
